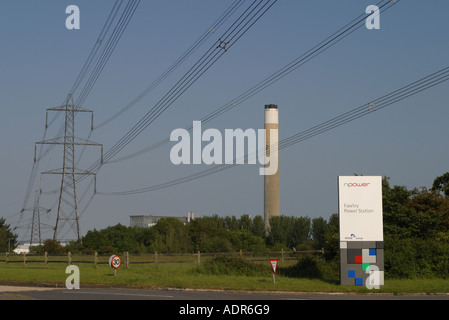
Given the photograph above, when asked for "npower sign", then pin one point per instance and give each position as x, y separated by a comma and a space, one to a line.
356, 185
360, 208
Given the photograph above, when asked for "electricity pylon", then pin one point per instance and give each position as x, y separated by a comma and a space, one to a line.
68, 210
36, 237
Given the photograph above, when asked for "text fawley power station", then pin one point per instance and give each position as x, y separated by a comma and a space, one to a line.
354, 208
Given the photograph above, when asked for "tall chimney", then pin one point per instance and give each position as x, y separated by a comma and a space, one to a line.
271, 182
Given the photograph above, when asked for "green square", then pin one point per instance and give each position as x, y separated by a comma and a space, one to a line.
365, 266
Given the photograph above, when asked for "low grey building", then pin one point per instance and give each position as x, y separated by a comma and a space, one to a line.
147, 221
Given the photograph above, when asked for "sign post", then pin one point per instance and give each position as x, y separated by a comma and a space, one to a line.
274, 264
115, 262
361, 230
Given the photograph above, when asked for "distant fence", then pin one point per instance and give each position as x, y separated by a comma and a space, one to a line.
154, 258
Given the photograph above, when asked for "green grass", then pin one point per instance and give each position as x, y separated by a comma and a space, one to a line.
192, 275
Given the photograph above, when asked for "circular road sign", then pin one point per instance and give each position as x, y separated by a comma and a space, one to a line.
115, 261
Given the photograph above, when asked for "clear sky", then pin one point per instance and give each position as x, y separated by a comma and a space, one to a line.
40, 60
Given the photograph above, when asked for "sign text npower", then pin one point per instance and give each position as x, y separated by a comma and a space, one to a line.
189, 148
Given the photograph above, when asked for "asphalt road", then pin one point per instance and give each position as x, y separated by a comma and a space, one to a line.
179, 304
41, 293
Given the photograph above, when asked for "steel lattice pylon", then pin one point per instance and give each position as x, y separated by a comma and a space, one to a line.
36, 224
36, 237
68, 209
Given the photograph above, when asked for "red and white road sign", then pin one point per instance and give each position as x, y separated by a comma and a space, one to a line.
274, 264
115, 261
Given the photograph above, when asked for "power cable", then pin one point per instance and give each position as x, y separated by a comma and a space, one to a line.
407, 91
109, 49
321, 47
213, 28
251, 15
234, 33
81, 75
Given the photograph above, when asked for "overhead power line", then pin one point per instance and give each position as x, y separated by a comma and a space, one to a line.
86, 67
178, 62
112, 42
245, 21
389, 99
251, 15
307, 56
104, 31
223, 44
334, 38
110, 45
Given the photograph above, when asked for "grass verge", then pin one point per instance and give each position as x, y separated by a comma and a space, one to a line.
224, 275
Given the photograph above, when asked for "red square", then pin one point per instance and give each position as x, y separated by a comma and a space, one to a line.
358, 259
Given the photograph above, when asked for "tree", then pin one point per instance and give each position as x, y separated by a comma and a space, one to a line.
94, 239
430, 212
121, 238
8, 239
441, 184
170, 236
53, 247
299, 231
289, 231
245, 223
277, 232
258, 227
332, 238
207, 234
118, 237
231, 223
414, 213
318, 231
145, 237
397, 215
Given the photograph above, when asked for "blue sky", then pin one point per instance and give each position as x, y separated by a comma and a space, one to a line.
40, 59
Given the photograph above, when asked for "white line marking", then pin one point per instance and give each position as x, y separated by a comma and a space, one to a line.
118, 294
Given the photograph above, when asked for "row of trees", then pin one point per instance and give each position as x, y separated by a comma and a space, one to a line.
209, 234
416, 232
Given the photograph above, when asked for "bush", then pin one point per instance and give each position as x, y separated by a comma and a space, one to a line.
232, 265
309, 266
105, 250
53, 247
416, 258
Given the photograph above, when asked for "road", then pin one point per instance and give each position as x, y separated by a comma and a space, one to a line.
174, 303
41, 293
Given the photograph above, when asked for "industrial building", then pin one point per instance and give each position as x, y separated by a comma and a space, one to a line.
147, 221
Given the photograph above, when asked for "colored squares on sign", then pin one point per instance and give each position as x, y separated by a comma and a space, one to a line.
352, 254
367, 256
361, 261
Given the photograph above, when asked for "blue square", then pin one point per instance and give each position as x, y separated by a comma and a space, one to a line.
351, 273
372, 252
359, 281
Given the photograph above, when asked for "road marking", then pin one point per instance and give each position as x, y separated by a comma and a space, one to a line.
23, 289
116, 293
